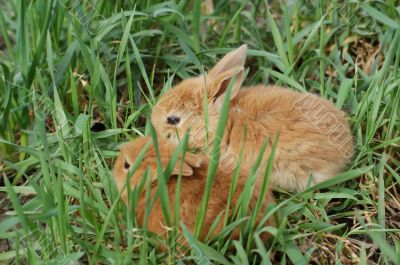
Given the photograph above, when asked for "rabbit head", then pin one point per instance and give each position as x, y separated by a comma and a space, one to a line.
182, 108
130, 151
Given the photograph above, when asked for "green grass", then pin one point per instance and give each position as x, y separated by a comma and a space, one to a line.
68, 64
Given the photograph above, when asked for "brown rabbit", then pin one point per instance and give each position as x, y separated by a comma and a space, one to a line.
315, 141
194, 172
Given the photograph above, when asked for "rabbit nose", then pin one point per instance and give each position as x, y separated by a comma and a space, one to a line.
173, 120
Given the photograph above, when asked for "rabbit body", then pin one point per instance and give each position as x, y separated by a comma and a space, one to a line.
315, 142
314, 138
194, 172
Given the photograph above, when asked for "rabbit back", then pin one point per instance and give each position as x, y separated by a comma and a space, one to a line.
314, 137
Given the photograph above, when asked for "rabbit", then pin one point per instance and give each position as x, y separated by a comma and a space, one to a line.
315, 141
194, 173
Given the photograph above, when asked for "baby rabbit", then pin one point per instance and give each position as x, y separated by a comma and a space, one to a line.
194, 173
315, 142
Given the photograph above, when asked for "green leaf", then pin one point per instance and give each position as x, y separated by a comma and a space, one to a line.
205, 254
381, 17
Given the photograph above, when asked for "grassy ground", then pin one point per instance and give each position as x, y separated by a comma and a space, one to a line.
66, 65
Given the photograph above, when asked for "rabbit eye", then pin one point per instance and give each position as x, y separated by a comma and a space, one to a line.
126, 165
168, 135
173, 120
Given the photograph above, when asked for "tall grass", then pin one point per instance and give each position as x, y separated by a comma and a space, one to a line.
67, 64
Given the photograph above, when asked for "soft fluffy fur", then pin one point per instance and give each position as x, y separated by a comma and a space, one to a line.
315, 139
194, 172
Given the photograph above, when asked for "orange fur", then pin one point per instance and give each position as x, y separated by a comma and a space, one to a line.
315, 139
192, 186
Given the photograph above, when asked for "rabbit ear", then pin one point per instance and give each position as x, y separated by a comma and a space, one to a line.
232, 60
228, 68
194, 160
186, 169
220, 84
190, 162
